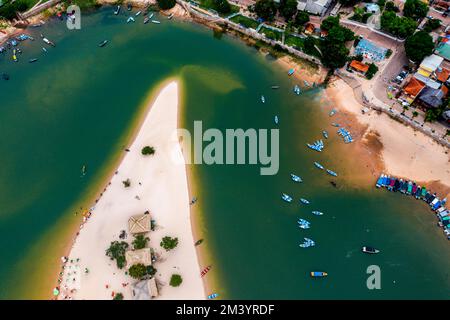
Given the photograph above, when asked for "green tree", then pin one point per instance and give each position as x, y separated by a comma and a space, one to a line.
169, 243
329, 23
418, 46
166, 4
372, 70
118, 296
288, 8
390, 6
309, 47
334, 51
415, 114
415, 9
147, 150
140, 241
347, 3
222, 6
301, 18
432, 24
137, 271
9, 8
116, 251
398, 26
381, 4
175, 280
266, 9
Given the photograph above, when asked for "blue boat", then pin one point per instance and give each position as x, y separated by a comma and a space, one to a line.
296, 178
276, 120
318, 165
334, 174
332, 113
303, 224
307, 243
213, 296
297, 90
286, 198
318, 274
335, 124
379, 181
291, 72
304, 201
317, 213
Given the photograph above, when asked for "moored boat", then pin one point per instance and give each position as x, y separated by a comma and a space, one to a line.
318, 165
32, 60
318, 274
369, 250
296, 178
117, 11
303, 224
103, 43
275, 87
146, 20
304, 201
156, 21
330, 172
291, 72
263, 99
325, 134
297, 90
286, 197
138, 13
130, 19
317, 213
307, 243
170, 16
276, 120
213, 296
205, 271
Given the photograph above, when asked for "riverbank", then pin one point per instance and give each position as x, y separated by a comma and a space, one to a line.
157, 185
403, 151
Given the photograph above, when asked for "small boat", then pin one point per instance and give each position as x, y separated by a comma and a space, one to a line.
146, 20
48, 42
151, 15
318, 274
286, 197
117, 10
379, 181
32, 60
317, 213
296, 178
138, 13
198, 242
297, 90
332, 113
213, 296
307, 243
170, 16
276, 120
263, 99
369, 250
291, 72
334, 174
275, 87
194, 200
303, 224
43, 49
325, 134
129, 6
335, 124
83, 170
318, 165
304, 201
103, 43
130, 19
14, 57
156, 21
306, 83
205, 271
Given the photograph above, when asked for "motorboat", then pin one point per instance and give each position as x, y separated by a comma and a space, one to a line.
334, 174
117, 11
303, 224
317, 213
304, 201
318, 165
286, 197
263, 99
325, 134
276, 120
307, 243
296, 178
103, 43
318, 274
369, 250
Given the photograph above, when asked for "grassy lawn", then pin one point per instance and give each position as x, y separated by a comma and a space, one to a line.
209, 4
246, 22
293, 41
271, 34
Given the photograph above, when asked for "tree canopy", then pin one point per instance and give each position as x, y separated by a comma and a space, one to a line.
418, 46
147, 150
288, 8
329, 23
432, 24
140, 241
266, 9
169, 243
166, 4
415, 9
398, 26
9, 9
222, 6
390, 6
116, 251
301, 18
334, 51
175, 280
137, 271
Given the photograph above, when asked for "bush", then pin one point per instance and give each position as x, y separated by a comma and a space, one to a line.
266, 9
126, 183
147, 150
140, 242
116, 251
9, 9
222, 6
301, 18
137, 271
166, 4
175, 280
415, 9
118, 296
372, 70
169, 243
388, 53
432, 24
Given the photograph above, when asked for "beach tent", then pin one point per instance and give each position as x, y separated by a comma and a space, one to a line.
139, 224
145, 289
143, 256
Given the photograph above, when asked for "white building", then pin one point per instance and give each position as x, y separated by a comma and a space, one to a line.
318, 7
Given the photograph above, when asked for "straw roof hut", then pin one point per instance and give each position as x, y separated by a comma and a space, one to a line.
139, 224
145, 290
143, 256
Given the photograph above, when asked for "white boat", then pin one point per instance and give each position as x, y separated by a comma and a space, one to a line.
170, 16
138, 13
43, 49
304, 201
325, 134
297, 90
276, 119
130, 19
296, 178
156, 21
303, 224
307, 243
334, 174
263, 99
151, 15
117, 11
318, 165
48, 42
317, 213
286, 197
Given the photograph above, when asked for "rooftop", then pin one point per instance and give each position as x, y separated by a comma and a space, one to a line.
432, 97
431, 63
143, 256
362, 67
443, 50
442, 74
140, 223
145, 289
414, 87
428, 82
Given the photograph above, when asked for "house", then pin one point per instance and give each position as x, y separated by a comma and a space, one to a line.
139, 224
429, 65
372, 8
442, 74
317, 7
141, 256
359, 66
443, 49
145, 289
429, 82
312, 28
412, 89
432, 98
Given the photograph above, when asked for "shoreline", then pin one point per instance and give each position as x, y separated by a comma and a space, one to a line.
95, 223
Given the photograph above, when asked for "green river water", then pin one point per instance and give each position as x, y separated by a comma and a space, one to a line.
77, 105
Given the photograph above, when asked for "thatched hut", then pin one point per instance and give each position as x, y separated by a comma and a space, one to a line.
139, 224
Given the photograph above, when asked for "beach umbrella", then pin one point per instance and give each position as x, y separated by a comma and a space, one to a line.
55, 291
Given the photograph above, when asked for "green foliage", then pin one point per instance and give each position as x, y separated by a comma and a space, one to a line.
415, 114
271, 34
390, 6
147, 150
334, 51
415, 9
266, 9
137, 271
418, 46
432, 115
347, 3
9, 9
329, 23
126, 183
309, 46
246, 22
118, 296
372, 70
301, 18
388, 53
166, 4
432, 24
175, 280
151, 271
288, 8
294, 41
222, 6
169, 243
381, 4
140, 241
398, 26
116, 251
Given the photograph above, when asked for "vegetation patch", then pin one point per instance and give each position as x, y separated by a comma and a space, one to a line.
176, 280
245, 21
271, 34
295, 42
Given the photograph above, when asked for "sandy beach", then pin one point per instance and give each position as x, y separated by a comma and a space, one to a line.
158, 185
404, 152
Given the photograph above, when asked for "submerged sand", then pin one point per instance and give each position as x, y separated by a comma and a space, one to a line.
158, 185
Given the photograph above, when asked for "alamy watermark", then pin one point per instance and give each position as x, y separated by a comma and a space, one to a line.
374, 280
231, 146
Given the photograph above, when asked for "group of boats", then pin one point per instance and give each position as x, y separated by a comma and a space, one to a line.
317, 145
321, 167
419, 192
346, 135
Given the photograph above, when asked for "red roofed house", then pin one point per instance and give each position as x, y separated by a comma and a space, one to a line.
359, 66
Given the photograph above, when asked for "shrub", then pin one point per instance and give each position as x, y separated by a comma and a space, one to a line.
175, 280
126, 183
116, 251
147, 150
372, 70
118, 296
169, 243
140, 242
137, 271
